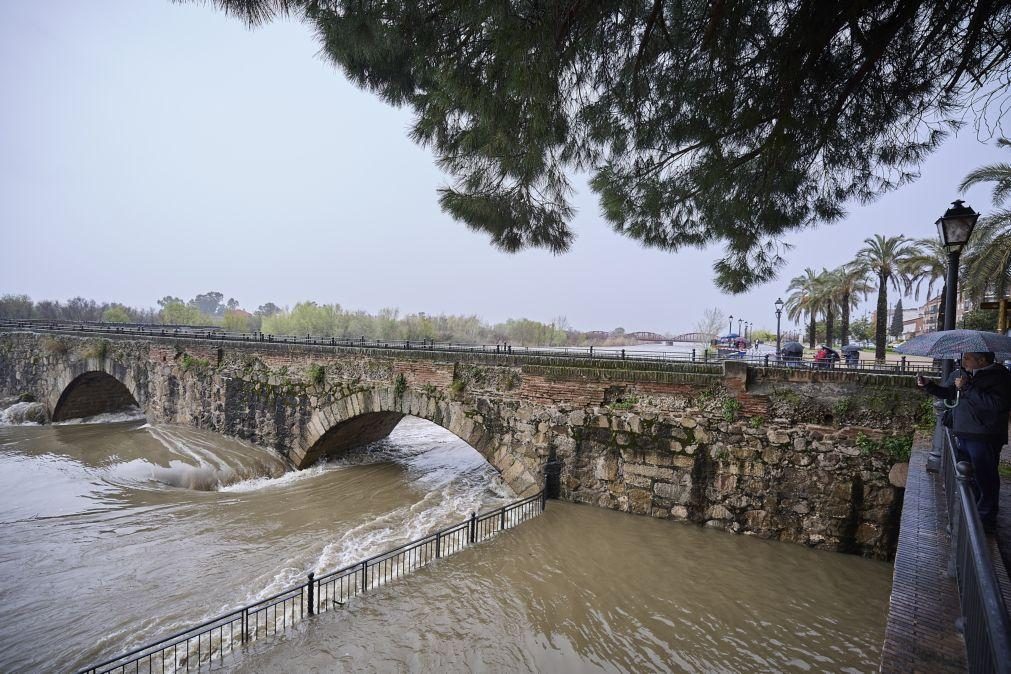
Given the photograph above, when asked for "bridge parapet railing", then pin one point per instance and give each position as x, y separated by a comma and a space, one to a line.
984, 624
208, 642
619, 356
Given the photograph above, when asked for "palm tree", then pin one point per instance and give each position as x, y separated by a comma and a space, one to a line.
926, 268
804, 300
827, 301
988, 263
849, 286
887, 259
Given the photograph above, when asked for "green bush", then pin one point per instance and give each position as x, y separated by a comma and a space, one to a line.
316, 374
731, 407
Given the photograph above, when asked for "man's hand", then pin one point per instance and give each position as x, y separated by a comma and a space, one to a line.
921, 381
960, 382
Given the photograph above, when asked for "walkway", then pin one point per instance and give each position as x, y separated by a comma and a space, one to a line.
920, 635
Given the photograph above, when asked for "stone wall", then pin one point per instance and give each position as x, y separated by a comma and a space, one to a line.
796, 455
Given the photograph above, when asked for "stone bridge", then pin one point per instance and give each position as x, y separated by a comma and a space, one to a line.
796, 455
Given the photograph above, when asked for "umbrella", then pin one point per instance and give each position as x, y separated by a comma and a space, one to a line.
793, 347
953, 343
850, 348
732, 335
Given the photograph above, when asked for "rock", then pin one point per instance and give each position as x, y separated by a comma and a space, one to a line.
689, 422
897, 475
756, 519
639, 501
777, 437
679, 512
718, 512
606, 468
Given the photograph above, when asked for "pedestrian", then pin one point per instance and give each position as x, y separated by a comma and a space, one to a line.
979, 422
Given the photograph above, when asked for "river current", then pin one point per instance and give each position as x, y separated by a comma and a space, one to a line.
114, 532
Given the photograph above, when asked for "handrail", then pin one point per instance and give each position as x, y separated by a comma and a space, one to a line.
985, 623
703, 358
309, 598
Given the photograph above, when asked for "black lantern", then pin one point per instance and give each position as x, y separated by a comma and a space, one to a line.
955, 226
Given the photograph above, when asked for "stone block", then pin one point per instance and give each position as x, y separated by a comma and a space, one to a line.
778, 437
638, 481
648, 471
689, 422
718, 512
606, 468
639, 501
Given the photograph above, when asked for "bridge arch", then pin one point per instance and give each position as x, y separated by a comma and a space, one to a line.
368, 416
94, 386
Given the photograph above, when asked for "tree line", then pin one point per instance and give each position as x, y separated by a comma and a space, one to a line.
326, 320
909, 266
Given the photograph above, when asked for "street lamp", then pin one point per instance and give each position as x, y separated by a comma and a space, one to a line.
739, 322
779, 314
955, 228
730, 330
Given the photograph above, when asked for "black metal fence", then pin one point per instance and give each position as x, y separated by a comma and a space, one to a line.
207, 643
984, 622
695, 356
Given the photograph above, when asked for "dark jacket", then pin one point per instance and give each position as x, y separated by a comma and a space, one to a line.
983, 406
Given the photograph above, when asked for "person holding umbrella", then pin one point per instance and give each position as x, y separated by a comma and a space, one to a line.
979, 422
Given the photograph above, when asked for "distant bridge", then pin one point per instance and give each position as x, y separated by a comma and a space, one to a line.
655, 337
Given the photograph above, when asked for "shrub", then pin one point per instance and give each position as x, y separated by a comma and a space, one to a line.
731, 407
57, 347
188, 363
316, 374
98, 350
400, 386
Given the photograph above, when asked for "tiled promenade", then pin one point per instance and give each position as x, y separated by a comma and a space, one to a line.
920, 635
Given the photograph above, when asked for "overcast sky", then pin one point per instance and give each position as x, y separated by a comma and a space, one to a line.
149, 148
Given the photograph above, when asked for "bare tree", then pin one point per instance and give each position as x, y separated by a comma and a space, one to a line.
711, 323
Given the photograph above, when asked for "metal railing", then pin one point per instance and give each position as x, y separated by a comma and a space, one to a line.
619, 356
209, 642
984, 623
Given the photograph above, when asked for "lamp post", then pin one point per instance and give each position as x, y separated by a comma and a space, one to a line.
739, 322
779, 315
955, 228
730, 330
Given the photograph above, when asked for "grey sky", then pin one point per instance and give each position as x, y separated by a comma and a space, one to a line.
149, 148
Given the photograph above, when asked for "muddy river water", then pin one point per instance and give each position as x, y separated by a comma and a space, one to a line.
115, 532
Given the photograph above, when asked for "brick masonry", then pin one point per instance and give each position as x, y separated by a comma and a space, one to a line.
794, 455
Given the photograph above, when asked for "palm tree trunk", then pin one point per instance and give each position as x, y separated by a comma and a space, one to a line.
814, 326
844, 320
940, 309
829, 326
881, 324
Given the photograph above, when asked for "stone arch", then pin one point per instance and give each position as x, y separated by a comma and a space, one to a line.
90, 387
367, 416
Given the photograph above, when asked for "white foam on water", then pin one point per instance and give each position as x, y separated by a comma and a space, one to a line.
132, 414
291, 477
14, 415
452, 478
